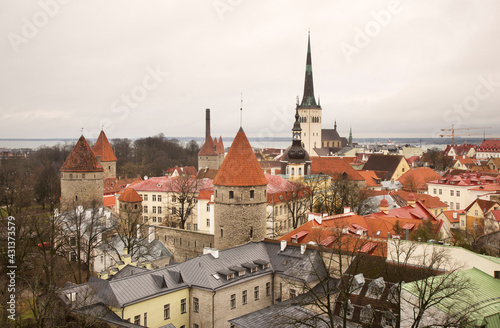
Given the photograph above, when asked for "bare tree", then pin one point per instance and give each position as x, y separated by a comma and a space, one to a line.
185, 189
296, 198
82, 232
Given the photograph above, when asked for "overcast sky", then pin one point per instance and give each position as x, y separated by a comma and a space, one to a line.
140, 68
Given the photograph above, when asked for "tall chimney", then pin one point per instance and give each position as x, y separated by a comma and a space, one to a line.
207, 127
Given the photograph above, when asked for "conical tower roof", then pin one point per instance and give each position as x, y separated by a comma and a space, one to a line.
308, 100
81, 159
240, 167
103, 148
208, 148
130, 196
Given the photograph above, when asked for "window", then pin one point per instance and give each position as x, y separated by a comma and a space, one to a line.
256, 293
268, 289
166, 311
252, 194
154, 209
293, 293
174, 210
208, 207
440, 191
145, 218
145, 209
83, 175
244, 297
159, 219
183, 305
458, 193
221, 232
188, 226
251, 232
137, 320
145, 197
145, 319
72, 241
159, 198
73, 257
476, 213
71, 175
231, 194
451, 205
434, 191
208, 222
195, 227
233, 301
154, 198
196, 305
475, 224
452, 193
159, 210
174, 199
457, 206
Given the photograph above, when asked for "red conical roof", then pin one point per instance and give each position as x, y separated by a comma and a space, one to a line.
81, 159
103, 148
208, 148
240, 167
130, 196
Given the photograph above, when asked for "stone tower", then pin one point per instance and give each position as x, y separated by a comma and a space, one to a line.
129, 203
81, 178
209, 154
239, 197
295, 162
103, 149
309, 110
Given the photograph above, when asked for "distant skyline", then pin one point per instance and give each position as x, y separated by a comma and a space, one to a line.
140, 68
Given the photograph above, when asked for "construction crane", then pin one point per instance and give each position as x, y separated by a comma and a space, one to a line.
452, 135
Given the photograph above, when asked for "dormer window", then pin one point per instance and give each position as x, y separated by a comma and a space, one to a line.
376, 288
357, 284
367, 314
230, 276
349, 310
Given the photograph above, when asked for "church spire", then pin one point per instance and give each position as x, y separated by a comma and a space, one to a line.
308, 97
350, 136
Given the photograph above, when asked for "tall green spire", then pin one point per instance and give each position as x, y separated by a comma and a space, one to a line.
308, 99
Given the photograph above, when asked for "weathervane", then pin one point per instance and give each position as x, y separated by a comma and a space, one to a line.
241, 110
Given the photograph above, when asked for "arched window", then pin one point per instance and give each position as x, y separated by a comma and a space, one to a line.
293, 171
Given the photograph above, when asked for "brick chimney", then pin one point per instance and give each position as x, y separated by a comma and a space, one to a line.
207, 124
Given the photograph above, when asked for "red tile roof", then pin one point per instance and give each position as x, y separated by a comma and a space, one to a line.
103, 148
419, 176
109, 201
368, 247
334, 167
431, 202
240, 167
219, 145
130, 196
182, 170
167, 184
449, 215
208, 148
81, 159
459, 149
489, 145
371, 178
496, 215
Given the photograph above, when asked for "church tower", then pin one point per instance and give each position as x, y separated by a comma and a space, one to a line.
103, 149
81, 178
309, 110
239, 197
295, 162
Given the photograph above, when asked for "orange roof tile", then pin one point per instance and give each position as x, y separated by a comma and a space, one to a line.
419, 176
208, 148
103, 148
431, 202
371, 178
130, 196
240, 167
109, 201
81, 159
334, 166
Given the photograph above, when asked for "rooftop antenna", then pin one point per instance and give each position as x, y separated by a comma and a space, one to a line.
241, 110
82, 131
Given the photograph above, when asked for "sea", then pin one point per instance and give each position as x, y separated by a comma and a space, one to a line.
276, 142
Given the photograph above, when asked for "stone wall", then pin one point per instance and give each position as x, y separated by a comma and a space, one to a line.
109, 169
81, 188
240, 218
183, 244
211, 162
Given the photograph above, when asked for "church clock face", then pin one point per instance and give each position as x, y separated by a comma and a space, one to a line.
296, 136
